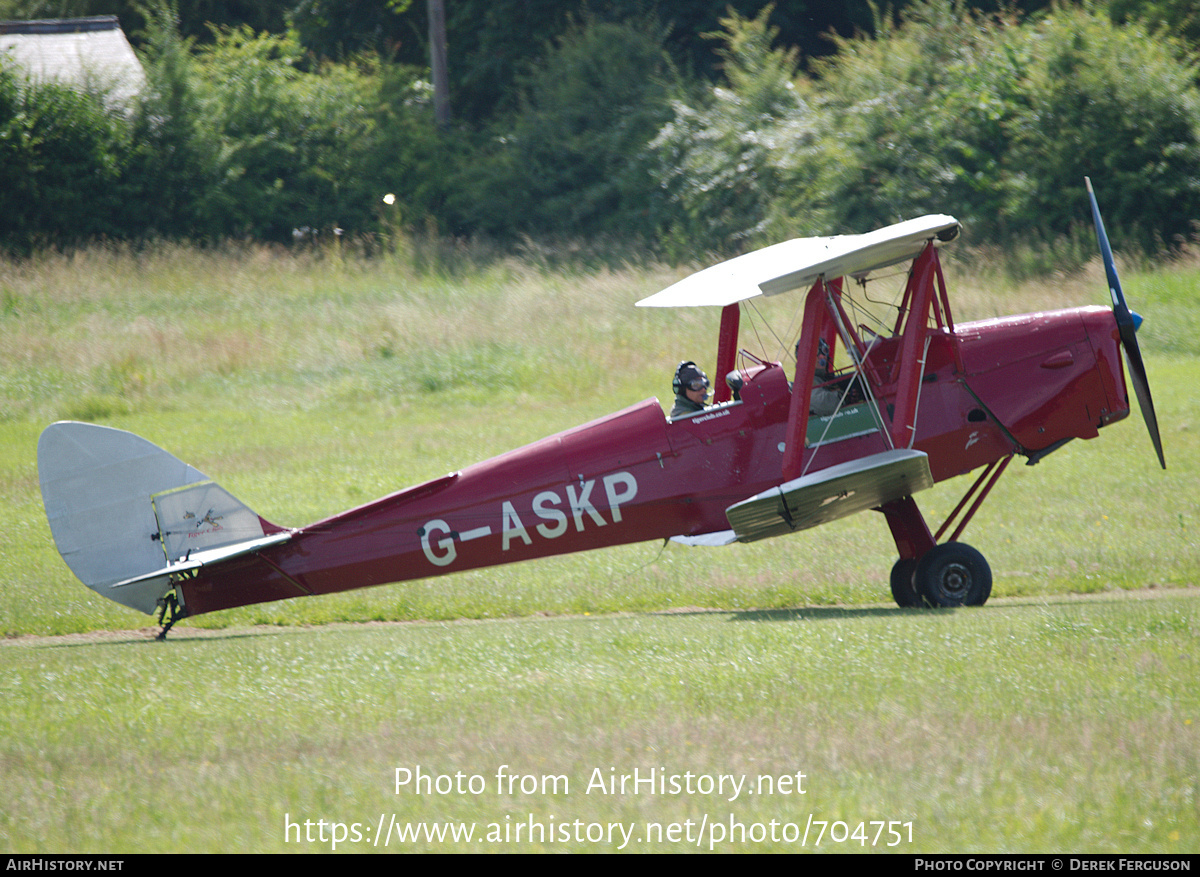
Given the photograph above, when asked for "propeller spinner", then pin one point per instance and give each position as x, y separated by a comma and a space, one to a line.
1127, 324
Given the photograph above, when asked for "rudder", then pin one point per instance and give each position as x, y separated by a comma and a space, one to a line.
125, 514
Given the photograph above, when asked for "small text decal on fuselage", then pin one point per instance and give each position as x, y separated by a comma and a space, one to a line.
551, 508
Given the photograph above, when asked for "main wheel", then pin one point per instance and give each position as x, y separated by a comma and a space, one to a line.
953, 574
904, 592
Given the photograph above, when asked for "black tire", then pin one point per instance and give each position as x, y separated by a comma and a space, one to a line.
904, 592
953, 574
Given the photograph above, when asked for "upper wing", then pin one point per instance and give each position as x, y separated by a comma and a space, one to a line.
796, 264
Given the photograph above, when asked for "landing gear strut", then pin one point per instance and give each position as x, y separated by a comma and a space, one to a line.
170, 610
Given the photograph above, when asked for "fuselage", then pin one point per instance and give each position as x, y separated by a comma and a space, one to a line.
990, 389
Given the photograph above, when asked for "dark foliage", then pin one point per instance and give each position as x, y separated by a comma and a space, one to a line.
605, 125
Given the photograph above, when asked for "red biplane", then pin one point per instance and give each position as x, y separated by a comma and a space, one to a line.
919, 401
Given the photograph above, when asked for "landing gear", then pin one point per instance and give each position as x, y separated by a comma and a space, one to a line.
170, 610
950, 574
904, 592
953, 574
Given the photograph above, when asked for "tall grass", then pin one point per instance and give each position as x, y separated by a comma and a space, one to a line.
178, 323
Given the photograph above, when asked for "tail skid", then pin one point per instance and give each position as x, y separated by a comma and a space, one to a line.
131, 520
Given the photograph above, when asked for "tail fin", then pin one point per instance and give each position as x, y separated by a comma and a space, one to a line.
127, 517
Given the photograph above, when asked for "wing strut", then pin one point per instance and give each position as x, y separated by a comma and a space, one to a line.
816, 315
726, 351
924, 300
911, 359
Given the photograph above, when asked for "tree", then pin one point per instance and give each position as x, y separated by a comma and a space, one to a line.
717, 158
1176, 18
570, 159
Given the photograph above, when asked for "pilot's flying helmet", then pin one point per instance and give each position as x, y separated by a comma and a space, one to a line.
688, 377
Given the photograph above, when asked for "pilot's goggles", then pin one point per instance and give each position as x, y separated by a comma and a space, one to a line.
697, 384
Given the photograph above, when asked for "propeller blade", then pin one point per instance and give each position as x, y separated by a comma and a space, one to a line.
1127, 326
1120, 309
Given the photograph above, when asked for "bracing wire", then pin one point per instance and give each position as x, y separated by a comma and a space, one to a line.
649, 563
862, 315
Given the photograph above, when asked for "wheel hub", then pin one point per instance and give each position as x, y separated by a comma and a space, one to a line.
956, 579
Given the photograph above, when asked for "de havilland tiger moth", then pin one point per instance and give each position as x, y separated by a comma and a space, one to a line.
920, 400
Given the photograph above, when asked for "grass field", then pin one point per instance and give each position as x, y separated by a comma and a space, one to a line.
1062, 716
1060, 723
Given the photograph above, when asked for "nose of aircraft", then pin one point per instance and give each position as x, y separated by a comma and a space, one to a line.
1127, 324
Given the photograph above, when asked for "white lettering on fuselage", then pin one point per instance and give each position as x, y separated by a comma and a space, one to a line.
722, 413
550, 508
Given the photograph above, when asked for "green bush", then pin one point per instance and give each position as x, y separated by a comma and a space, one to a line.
408, 156
1179, 18
286, 143
912, 122
229, 140
62, 163
1113, 103
239, 138
173, 159
992, 120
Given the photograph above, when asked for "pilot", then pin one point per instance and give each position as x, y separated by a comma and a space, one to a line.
691, 389
824, 400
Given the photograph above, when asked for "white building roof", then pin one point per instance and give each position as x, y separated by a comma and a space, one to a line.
89, 53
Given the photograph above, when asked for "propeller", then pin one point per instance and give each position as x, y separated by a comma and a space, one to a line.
1127, 325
